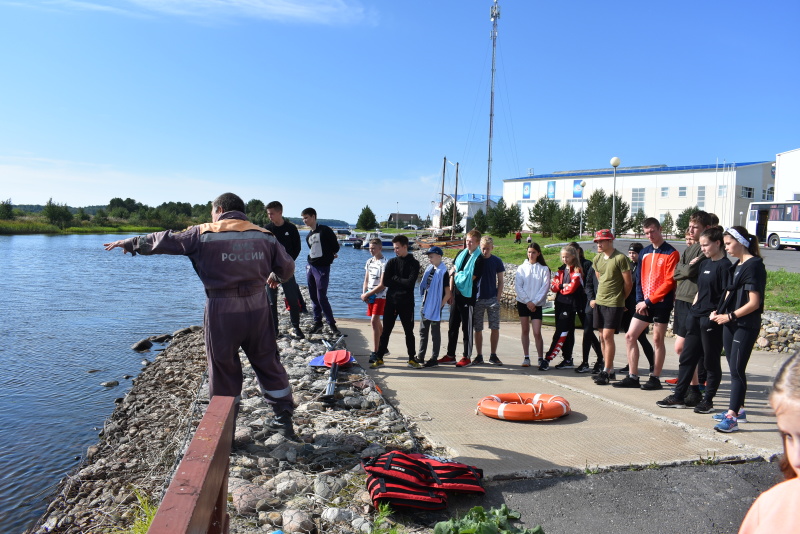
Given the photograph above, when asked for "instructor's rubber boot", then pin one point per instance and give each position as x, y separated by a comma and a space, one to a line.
282, 424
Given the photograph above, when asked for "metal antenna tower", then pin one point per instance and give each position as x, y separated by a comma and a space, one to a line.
495, 14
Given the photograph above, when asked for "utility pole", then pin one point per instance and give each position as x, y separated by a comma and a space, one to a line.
495, 14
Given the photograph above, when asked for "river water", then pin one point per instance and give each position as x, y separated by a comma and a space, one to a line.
69, 308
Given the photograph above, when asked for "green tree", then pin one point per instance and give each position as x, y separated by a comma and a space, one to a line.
514, 215
569, 222
81, 215
500, 224
682, 222
447, 217
481, 222
119, 212
100, 218
57, 214
667, 225
367, 219
256, 212
543, 216
636, 222
6, 210
598, 212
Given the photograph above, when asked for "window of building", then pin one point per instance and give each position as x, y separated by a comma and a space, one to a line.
701, 196
664, 192
768, 193
637, 200
747, 192
722, 191
681, 191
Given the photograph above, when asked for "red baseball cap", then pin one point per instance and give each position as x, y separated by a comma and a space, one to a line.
603, 235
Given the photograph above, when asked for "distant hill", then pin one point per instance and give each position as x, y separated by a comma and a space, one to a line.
333, 223
37, 208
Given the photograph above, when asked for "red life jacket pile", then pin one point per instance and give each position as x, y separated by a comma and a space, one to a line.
418, 481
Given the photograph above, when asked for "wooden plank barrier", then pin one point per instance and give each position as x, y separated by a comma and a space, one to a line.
196, 500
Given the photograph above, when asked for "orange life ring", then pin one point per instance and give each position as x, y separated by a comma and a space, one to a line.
523, 406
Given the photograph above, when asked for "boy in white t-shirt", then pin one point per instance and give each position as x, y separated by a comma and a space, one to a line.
373, 292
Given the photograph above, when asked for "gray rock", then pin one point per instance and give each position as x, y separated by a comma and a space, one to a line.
142, 345
109, 384
246, 496
296, 521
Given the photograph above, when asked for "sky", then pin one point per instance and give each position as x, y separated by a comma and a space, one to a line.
342, 104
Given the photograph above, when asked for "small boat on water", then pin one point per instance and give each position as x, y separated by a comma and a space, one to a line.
386, 240
348, 238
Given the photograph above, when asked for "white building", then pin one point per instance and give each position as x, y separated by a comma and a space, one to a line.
468, 205
787, 175
724, 189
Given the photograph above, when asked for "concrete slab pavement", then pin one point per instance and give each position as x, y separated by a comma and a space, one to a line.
608, 427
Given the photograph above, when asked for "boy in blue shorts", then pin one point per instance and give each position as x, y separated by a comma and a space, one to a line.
435, 290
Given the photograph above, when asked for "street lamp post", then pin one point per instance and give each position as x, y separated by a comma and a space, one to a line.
615, 164
740, 217
583, 201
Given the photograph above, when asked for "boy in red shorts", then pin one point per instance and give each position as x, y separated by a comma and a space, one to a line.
374, 293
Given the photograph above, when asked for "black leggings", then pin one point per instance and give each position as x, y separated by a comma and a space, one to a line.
590, 340
460, 318
564, 336
738, 343
702, 345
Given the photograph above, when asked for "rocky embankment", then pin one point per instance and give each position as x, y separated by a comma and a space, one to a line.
316, 486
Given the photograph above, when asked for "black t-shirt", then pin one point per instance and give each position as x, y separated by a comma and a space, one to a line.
748, 276
399, 276
712, 279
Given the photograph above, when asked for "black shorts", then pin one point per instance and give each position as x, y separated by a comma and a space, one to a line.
607, 317
660, 314
523, 311
681, 313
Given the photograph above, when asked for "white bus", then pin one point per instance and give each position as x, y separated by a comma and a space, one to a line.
775, 223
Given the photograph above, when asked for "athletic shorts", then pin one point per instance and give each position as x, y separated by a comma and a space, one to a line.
492, 308
523, 311
660, 314
608, 317
681, 313
376, 308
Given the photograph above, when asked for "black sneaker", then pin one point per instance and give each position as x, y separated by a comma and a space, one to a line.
478, 360
335, 331
565, 364
693, 397
433, 362
603, 378
282, 424
373, 356
598, 366
316, 328
625, 370
583, 368
671, 402
544, 364
704, 406
297, 333
652, 383
628, 382
494, 360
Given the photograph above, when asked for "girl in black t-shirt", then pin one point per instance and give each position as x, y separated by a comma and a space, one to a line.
740, 315
703, 336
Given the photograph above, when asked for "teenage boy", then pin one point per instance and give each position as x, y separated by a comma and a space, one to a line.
614, 282
287, 235
634, 251
686, 273
435, 290
464, 290
323, 248
655, 298
374, 293
399, 278
490, 291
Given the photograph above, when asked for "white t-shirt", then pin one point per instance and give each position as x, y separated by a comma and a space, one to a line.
374, 268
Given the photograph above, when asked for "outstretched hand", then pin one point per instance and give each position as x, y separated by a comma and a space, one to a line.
115, 244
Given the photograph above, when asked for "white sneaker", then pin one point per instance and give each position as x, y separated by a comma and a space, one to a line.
526, 362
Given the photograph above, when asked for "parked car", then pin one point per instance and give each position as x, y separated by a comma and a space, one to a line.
411, 227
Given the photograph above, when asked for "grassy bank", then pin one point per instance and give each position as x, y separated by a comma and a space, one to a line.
783, 288
25, 227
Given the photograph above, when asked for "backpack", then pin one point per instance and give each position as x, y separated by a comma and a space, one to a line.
410, 480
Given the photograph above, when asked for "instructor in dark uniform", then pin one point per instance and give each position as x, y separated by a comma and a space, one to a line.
233, 259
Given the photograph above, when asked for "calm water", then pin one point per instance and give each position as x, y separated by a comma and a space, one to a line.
69, 307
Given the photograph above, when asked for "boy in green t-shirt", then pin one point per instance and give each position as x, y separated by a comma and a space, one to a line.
613, 272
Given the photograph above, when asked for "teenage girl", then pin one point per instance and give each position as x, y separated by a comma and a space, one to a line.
590, 340
740, 315
776, 510
703, 338
567, 284
531, 283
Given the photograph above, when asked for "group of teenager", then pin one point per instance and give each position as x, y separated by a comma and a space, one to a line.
717, 306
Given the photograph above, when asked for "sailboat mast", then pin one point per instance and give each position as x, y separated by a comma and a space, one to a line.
495, 14
455, 206
441, 198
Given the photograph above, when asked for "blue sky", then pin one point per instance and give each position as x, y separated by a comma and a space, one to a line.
338, 104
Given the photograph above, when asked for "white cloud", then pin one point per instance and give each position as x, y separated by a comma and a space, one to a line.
333, 12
